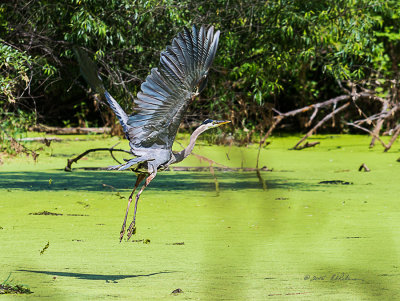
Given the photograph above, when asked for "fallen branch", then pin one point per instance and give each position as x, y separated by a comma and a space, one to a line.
111, 150
327, 117
20, 148
262, 141
215, 179
38, 139
364, 167
69, 131
384, 114
261, 179
376, 136
316, 107
211, 168
192, 169
353, 96
394, 137
368, 131
320, 105
375, 132
308, 144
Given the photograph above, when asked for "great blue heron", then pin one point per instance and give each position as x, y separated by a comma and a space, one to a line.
160, 106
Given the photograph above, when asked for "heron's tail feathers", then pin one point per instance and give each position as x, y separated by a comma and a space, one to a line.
89, 72
128, 164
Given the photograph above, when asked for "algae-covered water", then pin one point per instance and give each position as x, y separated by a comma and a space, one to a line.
299, 239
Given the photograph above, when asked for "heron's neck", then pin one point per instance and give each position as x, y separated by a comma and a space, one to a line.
188, 150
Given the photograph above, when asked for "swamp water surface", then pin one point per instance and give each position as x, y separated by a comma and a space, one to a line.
300, 239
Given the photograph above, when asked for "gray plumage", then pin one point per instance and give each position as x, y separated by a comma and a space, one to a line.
161, 104
169, 89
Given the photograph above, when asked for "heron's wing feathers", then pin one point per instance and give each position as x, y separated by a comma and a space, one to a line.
169, 89
89, 72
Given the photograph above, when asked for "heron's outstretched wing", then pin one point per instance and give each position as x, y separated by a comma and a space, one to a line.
169, 89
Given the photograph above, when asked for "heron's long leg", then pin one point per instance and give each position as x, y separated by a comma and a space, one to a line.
139, 179
132, 227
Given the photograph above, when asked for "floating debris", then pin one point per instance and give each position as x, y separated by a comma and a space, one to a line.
336, 182
364, 167
145, 241
57, 214
74, 214
86, 205
45, 248
14, 289
177, 291
45, 213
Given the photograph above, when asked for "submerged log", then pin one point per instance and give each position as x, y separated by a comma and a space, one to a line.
68, 167
69, 131
307, 144
192, 168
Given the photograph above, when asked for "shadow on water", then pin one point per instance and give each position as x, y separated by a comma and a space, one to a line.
182, 181
107, 278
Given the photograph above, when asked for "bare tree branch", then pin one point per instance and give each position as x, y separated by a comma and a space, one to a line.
327, 117
68, 167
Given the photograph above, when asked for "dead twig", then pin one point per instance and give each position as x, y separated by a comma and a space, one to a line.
368, 131
316, 107
20, 148
109, 186
364, 167
215, 179
327, 117
211, 168
194, 168
394, 137
261, 179
308, 144
44, 140
68, 167
69, 131
278, 119
379, 124
376, 131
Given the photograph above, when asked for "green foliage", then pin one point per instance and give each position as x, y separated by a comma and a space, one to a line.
273, 54
13, 125
8, 288
14, 67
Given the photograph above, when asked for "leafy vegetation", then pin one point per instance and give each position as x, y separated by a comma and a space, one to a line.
273, 55
8, 288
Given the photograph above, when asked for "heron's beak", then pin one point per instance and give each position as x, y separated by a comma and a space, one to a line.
221, 122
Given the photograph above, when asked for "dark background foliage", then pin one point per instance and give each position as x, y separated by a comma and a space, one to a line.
273, 55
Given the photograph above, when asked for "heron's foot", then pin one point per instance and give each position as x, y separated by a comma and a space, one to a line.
131, 230
121, 234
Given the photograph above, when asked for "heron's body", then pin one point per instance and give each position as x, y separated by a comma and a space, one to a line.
160, 106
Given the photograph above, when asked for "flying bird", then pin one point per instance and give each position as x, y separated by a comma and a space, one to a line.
160, 106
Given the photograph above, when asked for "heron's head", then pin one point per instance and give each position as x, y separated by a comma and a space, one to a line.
210, 124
